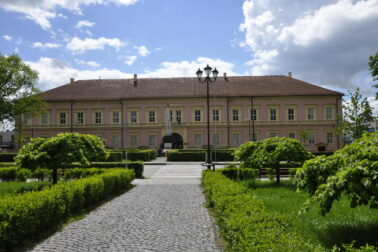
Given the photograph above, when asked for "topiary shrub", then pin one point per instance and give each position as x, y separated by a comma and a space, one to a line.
23, 174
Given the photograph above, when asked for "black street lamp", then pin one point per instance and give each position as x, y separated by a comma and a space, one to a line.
208, 80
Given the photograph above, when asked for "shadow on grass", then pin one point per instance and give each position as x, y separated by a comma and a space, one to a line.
361, 233
254, 184
45, 234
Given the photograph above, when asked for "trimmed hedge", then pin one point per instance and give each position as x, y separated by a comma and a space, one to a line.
115, 156
7, 164
7, 157
199, 155
235, 173
8, 174
137, 166
141, 155
78, 173
243, 220
23, 217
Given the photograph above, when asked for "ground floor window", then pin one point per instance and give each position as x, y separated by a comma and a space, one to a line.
134, 140
329, 137
117, 141
236, 139
198, 139
216, 139
151, 140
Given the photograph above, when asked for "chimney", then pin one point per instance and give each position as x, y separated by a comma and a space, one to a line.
225, 77
72, 80
289, 74
135, 80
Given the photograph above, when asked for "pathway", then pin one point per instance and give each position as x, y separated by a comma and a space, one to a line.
162, 213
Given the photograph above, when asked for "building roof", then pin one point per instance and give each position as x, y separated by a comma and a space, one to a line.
113, 89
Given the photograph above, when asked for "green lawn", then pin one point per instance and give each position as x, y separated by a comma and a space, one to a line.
341, 225
20, 187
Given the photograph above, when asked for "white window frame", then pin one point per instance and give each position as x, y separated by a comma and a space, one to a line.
134, 140
215, 115
197, 139
97, 117
60, 121
273, 116
216, 139
329, 136
236, 138
77, 117
150, 142
47, 118
198, 115
116, 119
151, 116
116, 140
329, 116
133, 116
235, 114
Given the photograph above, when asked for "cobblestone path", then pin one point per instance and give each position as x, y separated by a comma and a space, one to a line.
163, 213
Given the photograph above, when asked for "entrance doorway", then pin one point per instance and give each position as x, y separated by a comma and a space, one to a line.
175, 140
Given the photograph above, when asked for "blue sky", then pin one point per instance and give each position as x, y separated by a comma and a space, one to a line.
325, 42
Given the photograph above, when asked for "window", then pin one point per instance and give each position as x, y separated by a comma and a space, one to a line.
116, 117
45, 118
215, 115
290, 114
133, 116
98, 117
255, 136
311, 138
80, 117
117, 141
171, 115
151, 116
134, 140
216, 139
198, 139
292, 135
236, 139
329, 138
197, 115
310, 114
273, 134
328, 113
178, 116
235, 115
63, 118
273, 114
27, 119
253, 114
151, 140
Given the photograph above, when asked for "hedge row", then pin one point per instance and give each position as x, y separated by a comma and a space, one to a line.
23, 217
195, 155
137, 166
243, 220
7, 157
78, 173
7, 164
235, 173
13, 173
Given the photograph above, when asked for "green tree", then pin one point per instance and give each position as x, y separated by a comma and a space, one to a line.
357, 114
269, 152
373, 66
18, 92
351, 171
60, 152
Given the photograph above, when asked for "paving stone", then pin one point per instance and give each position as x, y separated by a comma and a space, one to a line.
164, 213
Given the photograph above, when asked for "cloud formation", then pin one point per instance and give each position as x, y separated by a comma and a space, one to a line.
130, 60
46, 45
84, 23
142, 50
7, 38
325, 42
79, 46
41, 11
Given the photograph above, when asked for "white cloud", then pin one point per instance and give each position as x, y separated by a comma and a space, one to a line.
46, 45
53, 72
41, 11
374, 104
84, 23
130, 60
79, 45
7, 38
88, 63
142, 50
188, 68
325, 42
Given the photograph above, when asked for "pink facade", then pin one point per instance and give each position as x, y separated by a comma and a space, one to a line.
312, 119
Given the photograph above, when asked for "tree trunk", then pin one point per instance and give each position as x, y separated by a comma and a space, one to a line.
55, 176
278, 174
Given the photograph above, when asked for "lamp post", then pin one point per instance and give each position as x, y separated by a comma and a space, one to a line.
208, 80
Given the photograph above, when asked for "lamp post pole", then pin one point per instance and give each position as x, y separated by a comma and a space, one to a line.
208, 80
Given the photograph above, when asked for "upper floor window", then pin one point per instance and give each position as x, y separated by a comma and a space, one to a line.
290, 114
292, 135
273, 134
254, 114
273, 114
151, 116
63, 118
45, 118
235, 115
178, 116
133, 116
311, 138
328, 113
80, 117
215, 115
197, 115
310, 113
27, 119
98, 117
116, 117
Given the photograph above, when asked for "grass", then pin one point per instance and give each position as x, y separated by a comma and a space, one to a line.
341, 225
7, 188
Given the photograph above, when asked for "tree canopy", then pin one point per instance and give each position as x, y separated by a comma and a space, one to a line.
61, 152
373, 66
18, 92
352, 171
269, 152
357, 114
